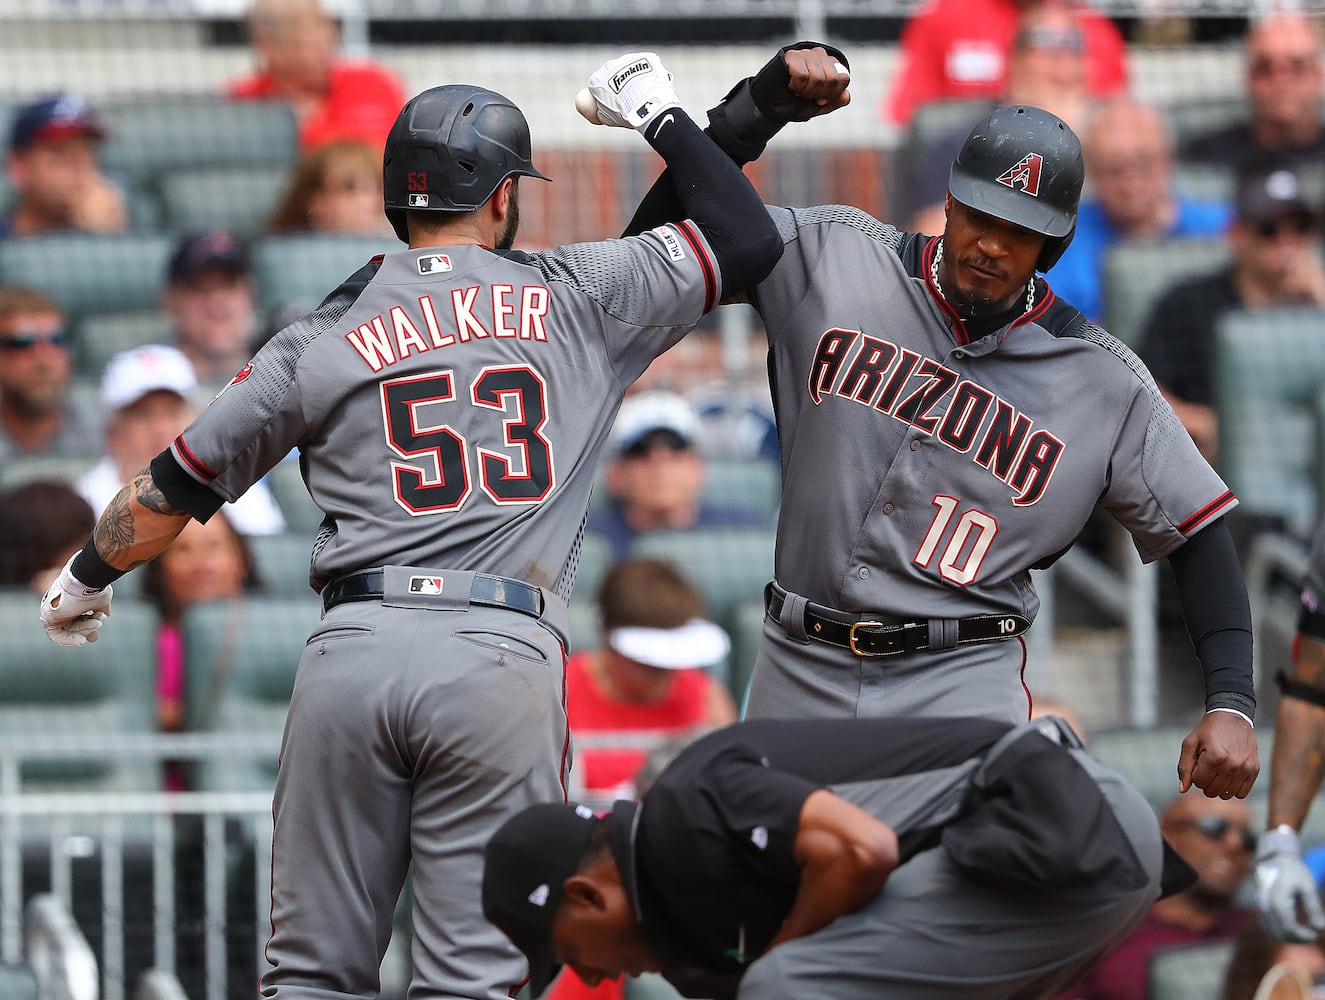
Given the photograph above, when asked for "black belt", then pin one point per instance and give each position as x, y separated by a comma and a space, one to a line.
491, 591
883, 635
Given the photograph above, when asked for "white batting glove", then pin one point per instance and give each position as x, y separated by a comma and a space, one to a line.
628, 92
1286, 892
72, 612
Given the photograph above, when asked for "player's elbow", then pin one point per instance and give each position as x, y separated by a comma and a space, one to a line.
875, 856
751, 259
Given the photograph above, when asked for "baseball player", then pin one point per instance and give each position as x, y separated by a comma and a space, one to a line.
1286, 891
845, 860
948, 424
449, 402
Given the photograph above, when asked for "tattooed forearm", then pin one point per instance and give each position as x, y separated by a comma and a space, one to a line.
147, 493
1298, 762
115, 529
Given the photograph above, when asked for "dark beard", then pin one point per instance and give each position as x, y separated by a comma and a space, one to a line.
976, 305
506, 238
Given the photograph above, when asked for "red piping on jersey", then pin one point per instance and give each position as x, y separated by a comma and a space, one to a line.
1030, 702
565, 746
705, 265
377, 258
195, 463
926, 269
1039, 309
1209, 510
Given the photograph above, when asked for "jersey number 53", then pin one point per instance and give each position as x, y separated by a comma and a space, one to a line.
522, 472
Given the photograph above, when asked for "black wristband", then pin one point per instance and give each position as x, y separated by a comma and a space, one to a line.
91, 570
739, 128
1291, 688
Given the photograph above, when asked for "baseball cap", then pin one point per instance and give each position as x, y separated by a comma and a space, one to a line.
697, 643
646, 412
524, 866
131, 375
199, 252
51, 118
1263, 197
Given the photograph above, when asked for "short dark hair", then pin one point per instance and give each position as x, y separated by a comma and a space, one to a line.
647, 593
40, 522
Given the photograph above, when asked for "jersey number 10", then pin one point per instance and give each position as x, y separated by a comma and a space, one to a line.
968, 540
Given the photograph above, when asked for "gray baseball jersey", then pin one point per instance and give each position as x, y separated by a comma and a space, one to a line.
927, 470
449, 406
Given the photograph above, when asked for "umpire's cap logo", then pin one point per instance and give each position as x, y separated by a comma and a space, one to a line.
1024, 174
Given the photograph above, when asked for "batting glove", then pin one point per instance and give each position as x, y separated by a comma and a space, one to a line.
629, 92
72, 612
1286, 888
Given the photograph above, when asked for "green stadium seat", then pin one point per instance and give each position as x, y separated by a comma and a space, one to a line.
14, 472
286, 483
584, 631
746, 625
1136, 274
729, 565
282, 563
302, 270
595, 561
1197, 116
89, 273
106, 687
103, 335
152, 137
1191, 972
649, 986
239, 199
1269, 367
753, 482
240, 660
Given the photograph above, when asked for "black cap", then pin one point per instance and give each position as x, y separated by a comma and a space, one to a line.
524, 866
199, 252
1267, 196
54, 118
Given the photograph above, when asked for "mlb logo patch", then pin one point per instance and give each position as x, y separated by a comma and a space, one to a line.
427, 585
434, 263
418, 201
671, 242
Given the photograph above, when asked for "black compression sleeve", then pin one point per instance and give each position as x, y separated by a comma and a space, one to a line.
712, 192
183, 490
1214, 603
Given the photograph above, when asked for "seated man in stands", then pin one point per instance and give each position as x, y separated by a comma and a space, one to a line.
655, 475
211, 303
1276, 262
1215, 837
38, 417
53, 170
148, 397
296, 43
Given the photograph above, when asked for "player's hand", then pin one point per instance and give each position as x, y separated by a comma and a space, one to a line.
818, 80
628, 92
1219, 757
71, 612
1286, 892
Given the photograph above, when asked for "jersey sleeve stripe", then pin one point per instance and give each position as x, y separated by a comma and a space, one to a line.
1212, 509
705, 265
197, 465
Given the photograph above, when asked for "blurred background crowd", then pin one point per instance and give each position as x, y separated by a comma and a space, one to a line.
181, 180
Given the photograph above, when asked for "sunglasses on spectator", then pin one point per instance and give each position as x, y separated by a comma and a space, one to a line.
1053, 39
1294, 224
661, 438
1291, 65
26, 340
1217, 828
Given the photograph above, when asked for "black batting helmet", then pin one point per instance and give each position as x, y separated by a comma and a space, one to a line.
1023, 165
449, 150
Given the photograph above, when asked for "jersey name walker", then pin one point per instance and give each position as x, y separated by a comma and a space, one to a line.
450, 404
973, 457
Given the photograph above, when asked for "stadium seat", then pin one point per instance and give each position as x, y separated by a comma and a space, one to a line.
240, 660
650, 986
286, 483
282, 563
239, 199
595, 561
1197, 116
1191, 972
89, 273
303, 270
1269, 367
103, 335
18, 982
1136, 274
14, 472
106, 687
746, 625
754, 482
583, 625
151, 138
1207, 183
729, 565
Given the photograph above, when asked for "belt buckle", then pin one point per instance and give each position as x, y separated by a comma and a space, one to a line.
851, 636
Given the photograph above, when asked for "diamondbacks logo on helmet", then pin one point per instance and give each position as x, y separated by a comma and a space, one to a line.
1025, 174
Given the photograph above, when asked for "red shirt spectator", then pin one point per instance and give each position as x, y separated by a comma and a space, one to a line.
957, 50
361, 102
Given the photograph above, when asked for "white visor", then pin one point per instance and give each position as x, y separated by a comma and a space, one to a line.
697, 643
